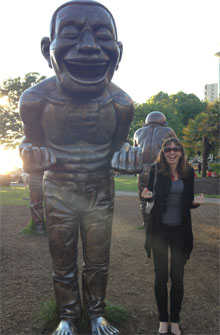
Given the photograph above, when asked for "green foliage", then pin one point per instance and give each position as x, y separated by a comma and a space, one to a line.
126, 183
206, 123
188, 105
11, 127
14, 195
177, 108
12, 88
48, 316
215, 167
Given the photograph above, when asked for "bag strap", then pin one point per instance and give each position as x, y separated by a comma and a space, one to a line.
155, 177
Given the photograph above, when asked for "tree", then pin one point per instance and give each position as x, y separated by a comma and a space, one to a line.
159, 102
188, 105
12, 88
178, 109
202, 133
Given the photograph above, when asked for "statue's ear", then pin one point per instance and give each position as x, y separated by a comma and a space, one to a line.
120, 45
45, 49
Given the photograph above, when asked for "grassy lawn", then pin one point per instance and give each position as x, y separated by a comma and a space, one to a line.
17, 195
126, 183
14, 195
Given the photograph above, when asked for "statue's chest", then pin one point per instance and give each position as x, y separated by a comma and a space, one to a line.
65, 124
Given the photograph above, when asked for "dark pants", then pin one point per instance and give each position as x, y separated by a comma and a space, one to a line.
163, 239
86, 207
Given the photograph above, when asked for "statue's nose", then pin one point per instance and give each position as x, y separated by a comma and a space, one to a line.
87, 43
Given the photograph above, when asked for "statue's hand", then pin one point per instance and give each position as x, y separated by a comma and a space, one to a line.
128, 159
36, 158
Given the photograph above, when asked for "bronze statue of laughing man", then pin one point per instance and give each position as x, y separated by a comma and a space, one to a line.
75, 126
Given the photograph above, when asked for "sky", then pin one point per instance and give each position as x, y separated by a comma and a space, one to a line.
168, 45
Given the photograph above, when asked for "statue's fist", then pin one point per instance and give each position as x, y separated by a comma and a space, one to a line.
128, 159
36, 158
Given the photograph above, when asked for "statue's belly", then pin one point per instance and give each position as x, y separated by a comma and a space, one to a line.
81, 157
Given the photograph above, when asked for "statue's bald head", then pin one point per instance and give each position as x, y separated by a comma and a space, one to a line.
78, 2
156, 118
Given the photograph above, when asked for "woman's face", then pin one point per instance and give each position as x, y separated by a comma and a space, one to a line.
172, 154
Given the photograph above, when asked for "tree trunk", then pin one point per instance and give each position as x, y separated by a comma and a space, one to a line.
204, 155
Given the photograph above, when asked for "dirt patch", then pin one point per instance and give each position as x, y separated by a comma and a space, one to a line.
26, 273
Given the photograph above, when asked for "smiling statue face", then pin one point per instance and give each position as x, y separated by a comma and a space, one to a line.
84, 51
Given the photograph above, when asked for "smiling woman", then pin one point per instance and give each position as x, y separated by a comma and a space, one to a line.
10, 160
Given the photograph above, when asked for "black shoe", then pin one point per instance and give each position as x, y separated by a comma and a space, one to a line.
158, 333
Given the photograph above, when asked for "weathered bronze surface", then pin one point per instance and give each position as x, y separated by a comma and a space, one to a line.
150, 138
75, 125
36, 201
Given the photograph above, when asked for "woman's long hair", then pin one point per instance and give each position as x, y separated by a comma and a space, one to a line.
164, 168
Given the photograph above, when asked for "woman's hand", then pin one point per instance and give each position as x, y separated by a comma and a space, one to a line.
146, 193
199, 200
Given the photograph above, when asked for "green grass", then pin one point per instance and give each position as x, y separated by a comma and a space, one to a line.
17, 195
212, 196
117, 315
126, 183
29, 229
48, 316
14, 195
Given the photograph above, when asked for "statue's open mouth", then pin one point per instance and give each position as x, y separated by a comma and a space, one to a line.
87, 71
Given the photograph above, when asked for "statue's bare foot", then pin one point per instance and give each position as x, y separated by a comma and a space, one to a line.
99, 326
66, 327
39, 230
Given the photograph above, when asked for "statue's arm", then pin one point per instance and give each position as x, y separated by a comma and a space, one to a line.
124, 112
35, 155
125, 158
31, 106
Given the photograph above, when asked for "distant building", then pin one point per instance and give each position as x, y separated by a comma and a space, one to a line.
211, 92
218, 55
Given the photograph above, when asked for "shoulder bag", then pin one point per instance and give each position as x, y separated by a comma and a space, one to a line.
150, 204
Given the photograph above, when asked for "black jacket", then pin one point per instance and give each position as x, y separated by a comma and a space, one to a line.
162, 190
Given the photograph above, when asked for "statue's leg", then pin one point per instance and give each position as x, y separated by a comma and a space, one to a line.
36, 201
63, 226
96, 230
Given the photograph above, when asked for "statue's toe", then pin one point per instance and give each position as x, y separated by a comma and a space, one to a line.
100, 326
66, 327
